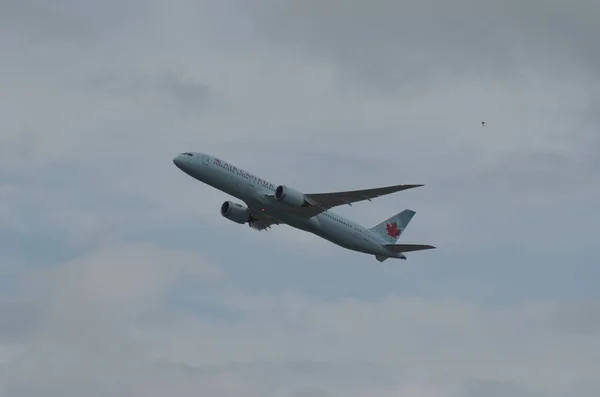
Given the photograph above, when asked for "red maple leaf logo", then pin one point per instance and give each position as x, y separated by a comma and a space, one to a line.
392, 230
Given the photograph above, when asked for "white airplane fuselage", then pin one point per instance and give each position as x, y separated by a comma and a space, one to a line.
252, 190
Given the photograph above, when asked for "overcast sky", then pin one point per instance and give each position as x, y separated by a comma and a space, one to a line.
119, 276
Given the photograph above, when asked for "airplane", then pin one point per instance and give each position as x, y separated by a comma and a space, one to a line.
268, 205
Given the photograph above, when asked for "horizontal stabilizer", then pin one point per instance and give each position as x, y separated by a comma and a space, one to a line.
381, 258
408, 247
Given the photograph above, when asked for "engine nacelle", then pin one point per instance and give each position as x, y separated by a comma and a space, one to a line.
235, 212
289, 196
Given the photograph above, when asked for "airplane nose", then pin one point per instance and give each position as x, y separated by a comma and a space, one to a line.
178, 161
181, 161
184, 161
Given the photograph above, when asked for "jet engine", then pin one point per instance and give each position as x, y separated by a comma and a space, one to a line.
289, 196
235, 212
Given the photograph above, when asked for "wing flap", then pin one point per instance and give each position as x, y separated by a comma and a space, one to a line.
408, 247
261, 220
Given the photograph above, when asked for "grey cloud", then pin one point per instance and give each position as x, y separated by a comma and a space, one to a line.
189, 92
186, 94
33, 22
18, 321
310, 392
540, 173
18, 147
497, 389
586, 387
394, 43
135, 121
324, 377
89, 132
579, 318
97, 315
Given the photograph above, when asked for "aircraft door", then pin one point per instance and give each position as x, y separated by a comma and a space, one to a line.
205, 160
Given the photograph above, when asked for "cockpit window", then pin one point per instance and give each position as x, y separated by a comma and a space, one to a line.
187, 154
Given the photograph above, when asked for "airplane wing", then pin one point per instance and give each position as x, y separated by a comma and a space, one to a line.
321, 202
330, 200
315, 203
408, 247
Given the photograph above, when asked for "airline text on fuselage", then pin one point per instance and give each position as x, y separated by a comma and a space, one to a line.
243, 174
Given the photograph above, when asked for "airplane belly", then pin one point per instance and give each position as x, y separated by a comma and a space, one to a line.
308, 225
217, 179
330, 231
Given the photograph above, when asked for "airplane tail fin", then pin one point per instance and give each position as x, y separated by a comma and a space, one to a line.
391, 229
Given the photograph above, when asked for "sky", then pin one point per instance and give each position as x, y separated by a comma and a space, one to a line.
121, 278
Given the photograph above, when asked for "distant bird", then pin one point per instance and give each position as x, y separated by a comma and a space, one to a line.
483, 123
